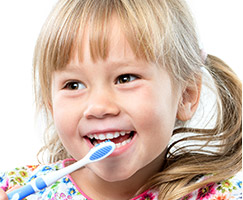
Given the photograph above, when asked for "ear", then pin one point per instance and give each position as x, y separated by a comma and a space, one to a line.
49, 107
189, 101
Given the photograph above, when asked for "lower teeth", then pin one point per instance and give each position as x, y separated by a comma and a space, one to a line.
123, 143
117, 144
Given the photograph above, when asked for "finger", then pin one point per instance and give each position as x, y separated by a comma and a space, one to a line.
14, 188
3, 195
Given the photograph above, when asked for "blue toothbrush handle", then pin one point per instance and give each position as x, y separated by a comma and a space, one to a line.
99, 152
31, 188
21, 192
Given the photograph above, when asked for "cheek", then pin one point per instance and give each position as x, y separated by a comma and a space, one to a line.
156, 115
155, 110
64, 119
157, 127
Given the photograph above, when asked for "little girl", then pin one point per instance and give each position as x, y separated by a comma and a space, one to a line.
132, 71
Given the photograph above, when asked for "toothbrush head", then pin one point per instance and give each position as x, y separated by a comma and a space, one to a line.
101, 151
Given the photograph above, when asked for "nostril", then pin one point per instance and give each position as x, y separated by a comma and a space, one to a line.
100, 111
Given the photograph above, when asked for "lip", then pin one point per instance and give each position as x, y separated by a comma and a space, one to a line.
118, 150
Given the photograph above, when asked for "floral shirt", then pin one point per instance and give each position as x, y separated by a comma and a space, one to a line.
66, 188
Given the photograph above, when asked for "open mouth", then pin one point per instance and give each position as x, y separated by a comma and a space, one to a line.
119, 138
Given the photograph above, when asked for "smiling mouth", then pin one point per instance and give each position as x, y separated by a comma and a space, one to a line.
120, 138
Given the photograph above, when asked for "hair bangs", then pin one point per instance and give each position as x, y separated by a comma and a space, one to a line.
76, 18
98, 25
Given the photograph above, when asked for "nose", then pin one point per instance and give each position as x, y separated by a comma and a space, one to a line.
101, 105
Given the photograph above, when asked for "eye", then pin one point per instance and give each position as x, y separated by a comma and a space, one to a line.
125, 78
74, 85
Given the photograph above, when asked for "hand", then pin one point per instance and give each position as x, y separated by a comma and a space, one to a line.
3, 194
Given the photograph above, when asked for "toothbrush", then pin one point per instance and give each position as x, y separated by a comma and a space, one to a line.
99, 152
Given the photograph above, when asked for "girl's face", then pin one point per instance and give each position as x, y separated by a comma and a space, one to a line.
126, 100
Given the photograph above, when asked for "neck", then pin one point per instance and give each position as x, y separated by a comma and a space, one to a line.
97, 188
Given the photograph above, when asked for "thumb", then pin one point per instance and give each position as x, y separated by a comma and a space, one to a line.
14, 188
3, 195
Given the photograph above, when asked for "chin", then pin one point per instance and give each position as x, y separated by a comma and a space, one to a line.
113, 175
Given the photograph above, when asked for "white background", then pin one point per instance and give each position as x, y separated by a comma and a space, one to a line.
220, 29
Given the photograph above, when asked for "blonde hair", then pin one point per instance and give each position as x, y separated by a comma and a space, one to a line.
158, 31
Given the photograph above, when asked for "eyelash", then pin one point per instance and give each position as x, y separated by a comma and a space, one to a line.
126, 78
122, 79
73, 85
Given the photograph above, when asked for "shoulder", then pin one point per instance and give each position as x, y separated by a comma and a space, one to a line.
24, 174
227, 189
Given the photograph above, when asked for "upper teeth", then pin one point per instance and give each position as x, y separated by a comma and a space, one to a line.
108, 136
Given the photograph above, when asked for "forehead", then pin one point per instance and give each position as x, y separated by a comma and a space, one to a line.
95, 46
